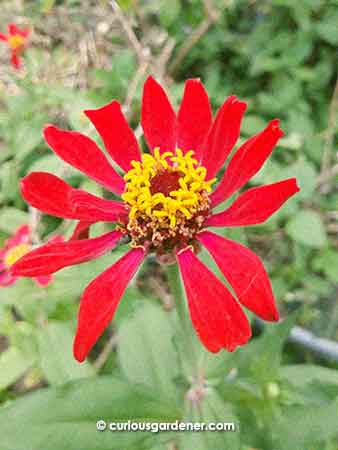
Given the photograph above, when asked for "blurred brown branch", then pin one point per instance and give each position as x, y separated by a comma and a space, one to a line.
158, 63
212, 15
104, 355
327, 175
141, 52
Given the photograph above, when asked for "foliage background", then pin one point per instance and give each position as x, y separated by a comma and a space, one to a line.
281, 57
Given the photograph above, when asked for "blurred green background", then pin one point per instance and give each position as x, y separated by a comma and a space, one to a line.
281, 57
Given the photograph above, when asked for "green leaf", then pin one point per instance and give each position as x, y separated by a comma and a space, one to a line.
327, 29
210, 409
252, 124
169, 11
301, 374
13, 364
71, 281
46, 5
9, 180
269, 347
146, 351
215, 410
307, 228
27, 137
64, 418
50, 163
302, 427
11, 218
56, 360
327, 262
305, 175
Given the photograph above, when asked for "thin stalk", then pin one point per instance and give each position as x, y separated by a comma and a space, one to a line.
177, 291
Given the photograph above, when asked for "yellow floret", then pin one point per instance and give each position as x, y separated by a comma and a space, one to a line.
15, 253
16, 41
181, 203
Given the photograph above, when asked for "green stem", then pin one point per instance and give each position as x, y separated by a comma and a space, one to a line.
178, 294
177, 291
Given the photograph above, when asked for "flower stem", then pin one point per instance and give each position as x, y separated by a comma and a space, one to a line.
177, 291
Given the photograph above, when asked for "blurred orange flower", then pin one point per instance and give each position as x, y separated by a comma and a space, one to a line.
17, 41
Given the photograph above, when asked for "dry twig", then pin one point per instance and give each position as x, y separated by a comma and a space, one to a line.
212, 16
103, 356
141, 53
326, 176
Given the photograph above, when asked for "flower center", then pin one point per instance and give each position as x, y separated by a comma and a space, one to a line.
165, 182
16, 41
168, 198
15, 253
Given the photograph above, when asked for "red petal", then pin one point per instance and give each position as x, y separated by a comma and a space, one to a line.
81, 230
15, 60
82, 153
6, 279
3, 37
158, 118
194, 118
53, 196
223, 135
87, 206
100, 300
43, 280
22, 236
218, 319
247, 161
25, 32
116, 134
13, 29
47, 193
255, 205
55, 256
245, 273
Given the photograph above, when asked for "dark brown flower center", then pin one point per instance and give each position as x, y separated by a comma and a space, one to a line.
165, 182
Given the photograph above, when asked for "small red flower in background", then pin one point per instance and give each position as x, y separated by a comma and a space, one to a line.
15, 247
17, 41
167, 205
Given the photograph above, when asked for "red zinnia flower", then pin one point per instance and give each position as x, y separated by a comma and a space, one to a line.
16, 40
167, 206
15, 247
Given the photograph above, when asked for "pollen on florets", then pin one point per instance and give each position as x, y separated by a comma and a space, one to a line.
16, 41
168, 199
15, 253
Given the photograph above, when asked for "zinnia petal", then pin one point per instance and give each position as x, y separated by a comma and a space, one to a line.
255, 205
118, 137
82, 153
245, 273
52, 257
13, 29
218, 319
223, 135
247, 161
81, 230
100, 300
158, 118
53, 196
6, 279
86, 206
21, 236
3, 37
194, 118
15, 60
25, 32
43, 280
